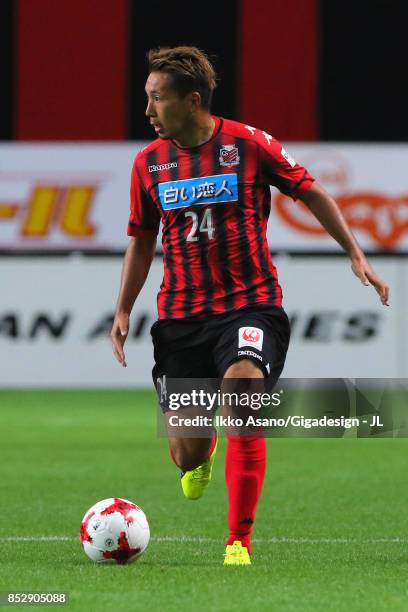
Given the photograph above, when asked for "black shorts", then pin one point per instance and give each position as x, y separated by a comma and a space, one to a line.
205, 348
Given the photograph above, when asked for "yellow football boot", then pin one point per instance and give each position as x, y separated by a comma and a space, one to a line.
236, 554
194, 482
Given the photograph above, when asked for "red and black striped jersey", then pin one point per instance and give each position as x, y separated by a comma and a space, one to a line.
214, 202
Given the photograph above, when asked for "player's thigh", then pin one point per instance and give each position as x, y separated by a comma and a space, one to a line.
244, 368
181, 354
259, 336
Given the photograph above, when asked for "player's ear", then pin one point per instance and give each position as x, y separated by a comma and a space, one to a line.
195, 98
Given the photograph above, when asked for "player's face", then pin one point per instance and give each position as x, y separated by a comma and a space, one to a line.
168, 112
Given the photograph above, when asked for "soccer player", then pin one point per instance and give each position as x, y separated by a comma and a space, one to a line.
207, 180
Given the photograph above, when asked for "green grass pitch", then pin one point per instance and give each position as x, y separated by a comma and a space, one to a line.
330, 534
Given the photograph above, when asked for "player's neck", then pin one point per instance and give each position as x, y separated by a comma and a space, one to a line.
198, 131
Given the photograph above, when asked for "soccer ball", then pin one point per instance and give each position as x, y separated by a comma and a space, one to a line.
114, 531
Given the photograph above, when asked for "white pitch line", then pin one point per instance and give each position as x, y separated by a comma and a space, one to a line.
37, 539
188, 539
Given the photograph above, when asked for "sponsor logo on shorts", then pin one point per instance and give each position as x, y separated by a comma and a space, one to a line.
250, 336
249, 354
157, 167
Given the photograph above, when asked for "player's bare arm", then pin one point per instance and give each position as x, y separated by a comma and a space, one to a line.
327, 212
136, 266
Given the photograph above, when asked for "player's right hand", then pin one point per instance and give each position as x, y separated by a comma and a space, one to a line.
120, 330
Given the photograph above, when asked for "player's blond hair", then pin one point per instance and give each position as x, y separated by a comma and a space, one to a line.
190, 69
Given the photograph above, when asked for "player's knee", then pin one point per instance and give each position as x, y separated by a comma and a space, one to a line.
245, 368
243, 377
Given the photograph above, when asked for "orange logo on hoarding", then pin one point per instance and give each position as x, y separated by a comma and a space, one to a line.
53, 206
382, 216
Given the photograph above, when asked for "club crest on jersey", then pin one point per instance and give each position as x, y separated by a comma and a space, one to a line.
250, 336
229, 156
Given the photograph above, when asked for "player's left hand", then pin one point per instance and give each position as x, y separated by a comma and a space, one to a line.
366, 274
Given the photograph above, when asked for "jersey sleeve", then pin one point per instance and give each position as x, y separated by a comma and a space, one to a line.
144, 217
279, 169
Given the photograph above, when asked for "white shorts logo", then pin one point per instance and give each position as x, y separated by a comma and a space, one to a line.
250, 336
162, 387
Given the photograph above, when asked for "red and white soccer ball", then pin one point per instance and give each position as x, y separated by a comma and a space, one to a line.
114, 530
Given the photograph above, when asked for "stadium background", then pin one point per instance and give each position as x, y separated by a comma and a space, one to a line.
313, 74
327, 79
